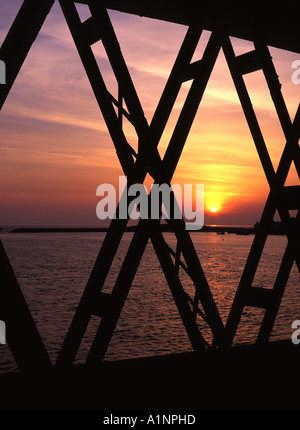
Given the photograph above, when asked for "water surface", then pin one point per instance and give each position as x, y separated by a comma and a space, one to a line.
53, 268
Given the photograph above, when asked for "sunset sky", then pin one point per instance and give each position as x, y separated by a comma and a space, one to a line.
55, 149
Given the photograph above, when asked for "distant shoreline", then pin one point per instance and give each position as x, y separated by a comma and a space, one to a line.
204, 229
276, 229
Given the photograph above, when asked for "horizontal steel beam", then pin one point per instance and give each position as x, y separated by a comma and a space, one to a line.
277, 24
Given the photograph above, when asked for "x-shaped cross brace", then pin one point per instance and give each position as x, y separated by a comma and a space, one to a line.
280, 198
146, 161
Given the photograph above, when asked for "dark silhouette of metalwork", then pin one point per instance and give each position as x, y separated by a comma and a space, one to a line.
226, 20
22, 336
281, 198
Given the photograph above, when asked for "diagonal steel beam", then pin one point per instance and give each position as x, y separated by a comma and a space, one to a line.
20, 38
23, 337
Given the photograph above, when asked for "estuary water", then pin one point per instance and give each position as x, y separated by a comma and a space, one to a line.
53, 269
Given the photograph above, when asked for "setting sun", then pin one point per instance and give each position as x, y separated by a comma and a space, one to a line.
213, 209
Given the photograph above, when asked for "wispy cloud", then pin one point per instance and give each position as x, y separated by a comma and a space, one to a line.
52, 154
51, 119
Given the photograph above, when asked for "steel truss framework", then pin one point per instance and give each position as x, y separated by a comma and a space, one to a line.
147, 160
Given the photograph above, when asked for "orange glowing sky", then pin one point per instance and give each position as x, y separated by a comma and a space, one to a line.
55, 149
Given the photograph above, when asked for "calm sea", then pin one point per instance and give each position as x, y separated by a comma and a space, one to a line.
53, 269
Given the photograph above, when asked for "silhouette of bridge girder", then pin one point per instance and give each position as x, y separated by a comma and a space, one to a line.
20, 38
276, 27
276, 24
